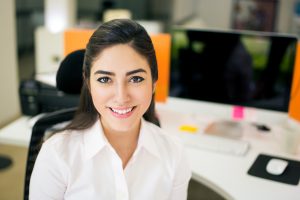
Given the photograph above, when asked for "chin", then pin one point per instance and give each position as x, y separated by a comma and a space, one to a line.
122, 125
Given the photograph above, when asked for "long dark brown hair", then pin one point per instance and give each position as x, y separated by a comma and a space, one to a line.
119, 31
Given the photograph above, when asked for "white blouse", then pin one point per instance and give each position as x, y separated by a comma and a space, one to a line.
83, 165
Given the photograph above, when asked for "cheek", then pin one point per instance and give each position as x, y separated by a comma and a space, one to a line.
100, 97
144, 96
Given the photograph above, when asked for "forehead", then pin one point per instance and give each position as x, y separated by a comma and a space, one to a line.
120, 58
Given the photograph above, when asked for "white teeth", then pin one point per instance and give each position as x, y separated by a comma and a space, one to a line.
122, 112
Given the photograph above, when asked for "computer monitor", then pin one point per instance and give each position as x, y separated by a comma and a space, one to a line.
233, 67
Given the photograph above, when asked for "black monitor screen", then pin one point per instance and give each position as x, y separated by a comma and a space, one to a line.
240, 68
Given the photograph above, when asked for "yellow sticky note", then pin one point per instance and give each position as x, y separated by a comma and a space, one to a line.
188, 128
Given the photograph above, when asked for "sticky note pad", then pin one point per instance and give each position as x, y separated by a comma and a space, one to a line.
188, 128
238, 112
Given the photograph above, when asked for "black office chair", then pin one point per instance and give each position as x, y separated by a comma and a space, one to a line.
69, 80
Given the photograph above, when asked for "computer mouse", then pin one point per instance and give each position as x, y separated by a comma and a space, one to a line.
276, 166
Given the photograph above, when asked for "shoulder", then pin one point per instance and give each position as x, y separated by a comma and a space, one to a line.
165, 141
64, 137
64, 144
170, 150
158, 132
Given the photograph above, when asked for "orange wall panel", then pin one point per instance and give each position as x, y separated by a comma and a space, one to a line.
75, 39
294, 106
162, 46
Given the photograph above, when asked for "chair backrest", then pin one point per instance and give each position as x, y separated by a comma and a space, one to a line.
69, 75
37, 137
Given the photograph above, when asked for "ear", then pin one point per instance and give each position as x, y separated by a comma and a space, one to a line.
86, 81
153, 88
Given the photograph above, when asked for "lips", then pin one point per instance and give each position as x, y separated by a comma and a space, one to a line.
122, 112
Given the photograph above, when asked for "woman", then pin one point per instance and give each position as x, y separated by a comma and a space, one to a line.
111, 150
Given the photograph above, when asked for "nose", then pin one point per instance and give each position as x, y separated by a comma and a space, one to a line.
122, 94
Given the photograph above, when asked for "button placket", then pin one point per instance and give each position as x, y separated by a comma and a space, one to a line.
120, 181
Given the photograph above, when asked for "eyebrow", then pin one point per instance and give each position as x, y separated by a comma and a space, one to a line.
127, 73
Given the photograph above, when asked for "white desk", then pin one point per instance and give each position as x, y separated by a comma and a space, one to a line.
17, 132
226, 174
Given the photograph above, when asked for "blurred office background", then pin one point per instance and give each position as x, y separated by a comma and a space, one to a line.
23, 17
20, 19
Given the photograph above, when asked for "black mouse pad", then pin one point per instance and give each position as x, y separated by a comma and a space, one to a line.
291, 175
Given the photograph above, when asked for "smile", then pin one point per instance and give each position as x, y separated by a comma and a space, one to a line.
122, 111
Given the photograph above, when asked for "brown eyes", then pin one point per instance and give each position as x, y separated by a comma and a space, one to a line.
104, 80
134, 79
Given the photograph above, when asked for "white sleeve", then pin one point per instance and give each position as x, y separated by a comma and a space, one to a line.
181, 179
49, 175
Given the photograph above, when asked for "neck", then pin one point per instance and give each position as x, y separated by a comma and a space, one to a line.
116, 136
124, 142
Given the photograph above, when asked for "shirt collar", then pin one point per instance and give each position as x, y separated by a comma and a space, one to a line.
95, 140
147, 139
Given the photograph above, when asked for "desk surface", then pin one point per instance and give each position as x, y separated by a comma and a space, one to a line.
226, 174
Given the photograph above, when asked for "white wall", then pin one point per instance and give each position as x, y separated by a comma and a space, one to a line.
218, 13
60, 14
215, 13
183, 9
285, 16
202, 13
9, 103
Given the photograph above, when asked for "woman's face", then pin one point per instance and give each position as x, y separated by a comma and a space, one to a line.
121, 87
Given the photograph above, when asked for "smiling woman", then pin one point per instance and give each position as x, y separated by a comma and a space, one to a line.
113, 148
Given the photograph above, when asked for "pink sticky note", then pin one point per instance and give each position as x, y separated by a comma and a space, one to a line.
238, 112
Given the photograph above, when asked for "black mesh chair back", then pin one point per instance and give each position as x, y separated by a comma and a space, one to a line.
38, 134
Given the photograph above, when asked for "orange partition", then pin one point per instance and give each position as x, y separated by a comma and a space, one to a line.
75, 39
294, 106
162, 46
